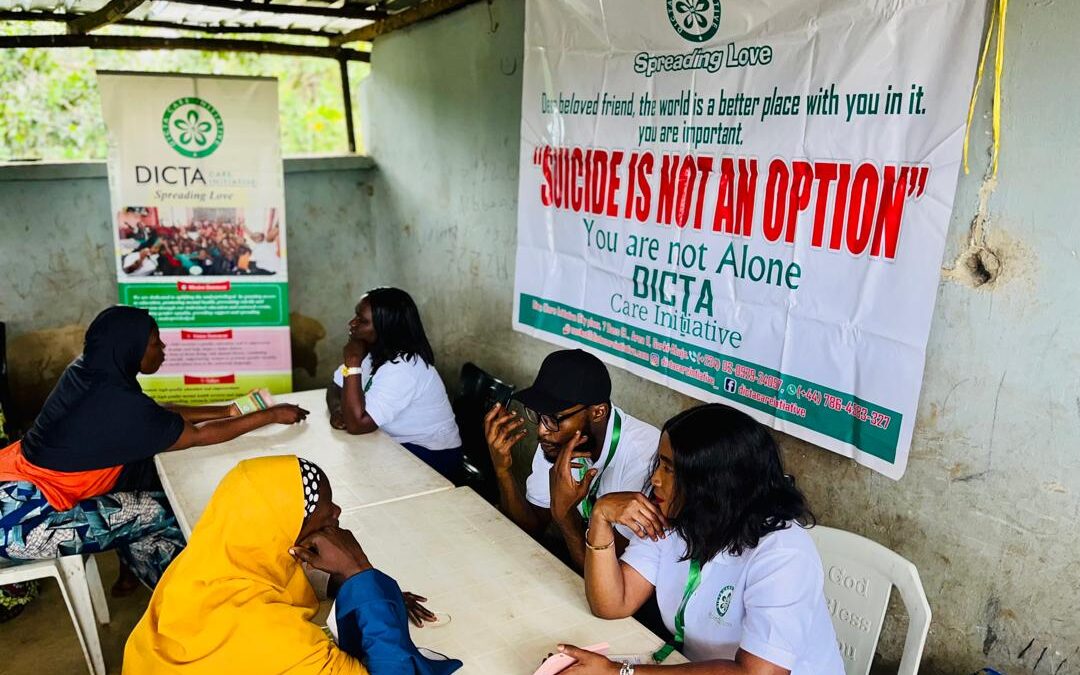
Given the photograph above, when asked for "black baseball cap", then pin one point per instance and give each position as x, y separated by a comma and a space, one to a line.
567, 378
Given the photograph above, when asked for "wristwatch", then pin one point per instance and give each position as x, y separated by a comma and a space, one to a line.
345, 372
627, 669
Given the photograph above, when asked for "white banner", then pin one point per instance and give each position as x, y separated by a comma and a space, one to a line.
198, 205
747, 201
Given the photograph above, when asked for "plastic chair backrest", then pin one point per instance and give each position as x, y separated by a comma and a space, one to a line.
859, 576
483, 388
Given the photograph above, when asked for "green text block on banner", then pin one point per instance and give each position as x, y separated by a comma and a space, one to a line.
836, 414
183, 305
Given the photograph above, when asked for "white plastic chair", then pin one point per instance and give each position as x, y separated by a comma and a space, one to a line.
80, 584
859, 575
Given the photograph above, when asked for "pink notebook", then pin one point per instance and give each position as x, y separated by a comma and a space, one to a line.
556, 663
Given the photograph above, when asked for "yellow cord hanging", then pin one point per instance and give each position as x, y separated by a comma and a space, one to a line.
997, 20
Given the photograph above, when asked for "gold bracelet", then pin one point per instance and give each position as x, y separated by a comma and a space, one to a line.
598, 548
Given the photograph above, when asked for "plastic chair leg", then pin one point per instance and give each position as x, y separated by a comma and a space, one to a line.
77, 594
97, 591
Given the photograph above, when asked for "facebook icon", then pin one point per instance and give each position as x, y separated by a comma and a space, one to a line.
729, 385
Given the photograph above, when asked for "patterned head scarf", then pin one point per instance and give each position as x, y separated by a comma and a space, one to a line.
313, 477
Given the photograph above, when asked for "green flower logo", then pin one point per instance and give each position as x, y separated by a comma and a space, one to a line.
192, 127
723, 600
694, 20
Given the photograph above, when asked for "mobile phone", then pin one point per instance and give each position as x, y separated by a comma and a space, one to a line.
501, 395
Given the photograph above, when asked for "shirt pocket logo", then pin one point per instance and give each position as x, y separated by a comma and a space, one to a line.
723, 601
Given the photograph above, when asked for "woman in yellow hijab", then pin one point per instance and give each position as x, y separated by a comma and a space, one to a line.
236, 600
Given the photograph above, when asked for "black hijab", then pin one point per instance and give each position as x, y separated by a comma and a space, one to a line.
97, 415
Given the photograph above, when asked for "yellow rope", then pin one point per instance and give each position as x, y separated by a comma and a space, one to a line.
997, 20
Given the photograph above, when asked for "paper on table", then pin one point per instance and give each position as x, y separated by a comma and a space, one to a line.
556, 663
256, 399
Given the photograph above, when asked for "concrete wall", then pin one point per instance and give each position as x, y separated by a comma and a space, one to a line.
988, 507
56, 269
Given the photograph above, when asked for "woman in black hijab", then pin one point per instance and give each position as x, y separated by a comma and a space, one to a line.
82, 481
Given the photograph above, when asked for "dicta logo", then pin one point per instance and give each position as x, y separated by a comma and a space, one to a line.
694, 20
723, 601
192, 127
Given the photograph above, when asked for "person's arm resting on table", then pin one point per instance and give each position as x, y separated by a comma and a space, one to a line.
745, 663
204, 413
333, 405
222, 430
354, 414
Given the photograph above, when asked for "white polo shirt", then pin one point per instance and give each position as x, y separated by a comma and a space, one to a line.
265, 255
770, 601
407, 399
629, 470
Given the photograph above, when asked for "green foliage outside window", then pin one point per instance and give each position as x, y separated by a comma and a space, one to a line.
50, 108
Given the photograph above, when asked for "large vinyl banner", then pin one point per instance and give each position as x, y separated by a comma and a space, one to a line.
747, 200
198, 208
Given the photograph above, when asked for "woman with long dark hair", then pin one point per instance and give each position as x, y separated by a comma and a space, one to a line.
722, 544
388, 381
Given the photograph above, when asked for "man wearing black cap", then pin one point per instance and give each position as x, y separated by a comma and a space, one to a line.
587, 448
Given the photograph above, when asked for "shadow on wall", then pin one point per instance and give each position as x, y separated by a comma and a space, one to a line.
304, 337
35, 362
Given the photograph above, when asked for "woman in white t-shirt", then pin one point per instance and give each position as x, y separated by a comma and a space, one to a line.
388, 381
721, 543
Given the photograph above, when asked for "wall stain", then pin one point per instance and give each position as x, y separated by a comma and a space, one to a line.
993, 606
35, 362
1025, 649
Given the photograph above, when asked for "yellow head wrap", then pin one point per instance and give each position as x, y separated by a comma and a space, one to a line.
235, 601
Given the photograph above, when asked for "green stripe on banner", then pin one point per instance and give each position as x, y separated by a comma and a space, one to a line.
174, 389
187, 304
871, 428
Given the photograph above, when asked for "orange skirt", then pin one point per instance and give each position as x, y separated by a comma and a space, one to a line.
62, 489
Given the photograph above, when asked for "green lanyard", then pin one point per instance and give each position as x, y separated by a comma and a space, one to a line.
590, 499
367, 385
692, 584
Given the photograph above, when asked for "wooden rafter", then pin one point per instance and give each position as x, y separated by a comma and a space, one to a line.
111, 12
346, 12
199, 44
147, 23
424, 10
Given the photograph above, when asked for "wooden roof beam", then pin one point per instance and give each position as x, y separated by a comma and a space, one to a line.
198, 44
217, 29
113, 11
346, 12
421, 12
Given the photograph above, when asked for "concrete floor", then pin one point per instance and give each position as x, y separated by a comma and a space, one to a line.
42, 639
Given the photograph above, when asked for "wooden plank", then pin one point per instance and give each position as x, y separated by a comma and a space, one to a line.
215, 29
421, 12
111, 12
346, 12
198, 44
346, 91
